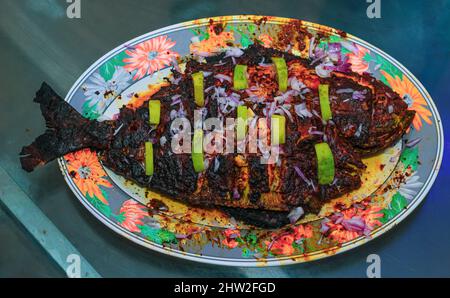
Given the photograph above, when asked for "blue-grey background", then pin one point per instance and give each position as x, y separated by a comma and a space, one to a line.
38, 42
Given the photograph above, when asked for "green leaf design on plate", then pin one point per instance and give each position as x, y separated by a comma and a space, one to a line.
299, 247
384, 65
251, 238
202, 34
90, 111
245, 38
246, 253
99, 205
159, 236
245, 41
410, 157
109, 67
120, 217
398, 203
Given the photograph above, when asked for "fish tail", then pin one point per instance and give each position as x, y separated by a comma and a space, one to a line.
67, 131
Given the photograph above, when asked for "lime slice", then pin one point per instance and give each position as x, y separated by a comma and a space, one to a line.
282, 73
197, 151
154, 109
199, 96
240, 77
148, 158
324, 98
241, 125
278, 129
325, 163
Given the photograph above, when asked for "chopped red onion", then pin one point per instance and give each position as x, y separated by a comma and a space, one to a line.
323, 225
312, 131
209, 88
345, 90
295, 214
311, 47
222, 77
236, 194
162, 140
234, 52
175, 65
301, 175
302, 111
175, 102
323, 70
181, 236
216, 164
390, 109
286, 111
355, 224
413, 142
118, 129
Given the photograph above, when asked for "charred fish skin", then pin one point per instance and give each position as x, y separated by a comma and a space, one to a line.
67, 131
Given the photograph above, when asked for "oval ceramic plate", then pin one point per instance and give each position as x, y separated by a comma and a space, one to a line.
395, 182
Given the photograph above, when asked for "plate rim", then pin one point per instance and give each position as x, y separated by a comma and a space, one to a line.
286, 260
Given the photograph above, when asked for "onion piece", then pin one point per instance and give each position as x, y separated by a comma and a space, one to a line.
413, 142
301, 175
302, 111
222, 77
295, 214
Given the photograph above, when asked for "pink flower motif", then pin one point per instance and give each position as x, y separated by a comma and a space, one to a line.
231, 235
150, 56
357, 60
133, 213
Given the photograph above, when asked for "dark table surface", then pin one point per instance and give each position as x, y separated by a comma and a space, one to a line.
38, 42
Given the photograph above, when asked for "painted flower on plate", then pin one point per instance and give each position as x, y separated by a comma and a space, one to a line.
230, 240
99, 91
87, 173
356, 59
133, 213
412, 97
150, 56
283, 245
410, 187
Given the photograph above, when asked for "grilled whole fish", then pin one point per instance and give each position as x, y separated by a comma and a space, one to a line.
367, 117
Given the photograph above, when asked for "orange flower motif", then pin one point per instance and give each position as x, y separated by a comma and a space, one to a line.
266, 39
302, 231
213, 44
230, 235
283, 245
341, 235
133, 213
413, 98
87, 173
357, 61
230, 243
371, 216
150, 56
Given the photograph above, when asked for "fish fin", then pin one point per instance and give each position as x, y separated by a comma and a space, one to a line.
67, 131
